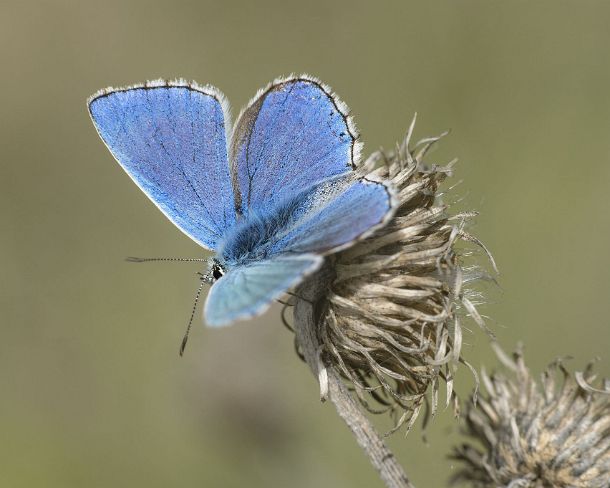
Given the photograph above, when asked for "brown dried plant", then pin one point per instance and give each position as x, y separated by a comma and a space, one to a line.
554, 432
392, 315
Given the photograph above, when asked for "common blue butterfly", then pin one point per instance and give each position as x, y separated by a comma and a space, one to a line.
271, 196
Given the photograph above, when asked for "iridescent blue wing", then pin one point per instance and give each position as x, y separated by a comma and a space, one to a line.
324, 218
170, 138
338, 212
247, 291
294, 133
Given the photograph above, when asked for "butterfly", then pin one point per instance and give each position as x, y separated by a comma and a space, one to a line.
271, 196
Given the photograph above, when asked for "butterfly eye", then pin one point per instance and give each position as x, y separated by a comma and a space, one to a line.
217, 271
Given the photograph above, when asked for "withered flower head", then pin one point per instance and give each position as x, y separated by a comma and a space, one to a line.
554, 432
391, 324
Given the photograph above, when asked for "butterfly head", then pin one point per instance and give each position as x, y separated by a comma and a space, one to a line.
214, 272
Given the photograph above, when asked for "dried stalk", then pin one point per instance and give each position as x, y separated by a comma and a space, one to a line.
307, 329
383, 317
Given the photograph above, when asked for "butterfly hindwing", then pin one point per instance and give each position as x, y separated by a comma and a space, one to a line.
293, 134
248, 290
170, 138
340, 212
327, 216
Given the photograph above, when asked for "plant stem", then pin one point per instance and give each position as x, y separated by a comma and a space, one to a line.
306, 328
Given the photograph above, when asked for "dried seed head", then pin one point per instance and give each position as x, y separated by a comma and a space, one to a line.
391, 318
551, 433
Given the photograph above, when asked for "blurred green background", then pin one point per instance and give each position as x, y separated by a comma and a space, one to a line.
93, 391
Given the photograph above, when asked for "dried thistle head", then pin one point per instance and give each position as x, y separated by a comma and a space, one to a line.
550, 433
391, 319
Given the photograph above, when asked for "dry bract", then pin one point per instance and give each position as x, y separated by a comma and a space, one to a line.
551, 433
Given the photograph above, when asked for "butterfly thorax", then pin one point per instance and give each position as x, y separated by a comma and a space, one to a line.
256, 236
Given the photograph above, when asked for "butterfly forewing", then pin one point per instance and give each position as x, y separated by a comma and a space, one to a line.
171, 141
293, 134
